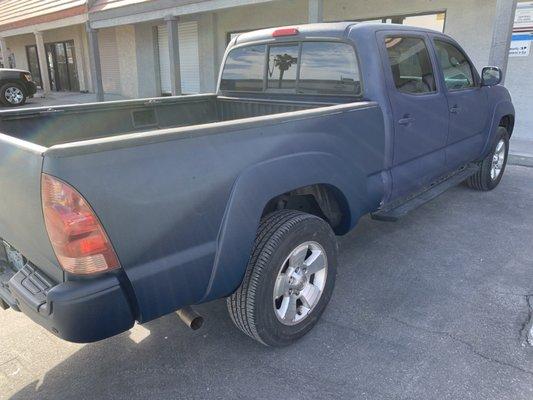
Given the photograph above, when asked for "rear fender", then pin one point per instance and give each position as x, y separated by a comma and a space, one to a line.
260, 183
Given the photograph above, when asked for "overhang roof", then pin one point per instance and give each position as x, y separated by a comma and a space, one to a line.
104, 5
20, 13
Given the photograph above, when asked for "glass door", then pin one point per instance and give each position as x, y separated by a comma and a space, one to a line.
61, 59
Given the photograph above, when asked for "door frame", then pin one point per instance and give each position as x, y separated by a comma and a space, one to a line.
52, 47
435, 160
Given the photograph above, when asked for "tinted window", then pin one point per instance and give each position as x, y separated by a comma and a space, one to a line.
328, 68
410, 63
282, 67
244, 69
455, 67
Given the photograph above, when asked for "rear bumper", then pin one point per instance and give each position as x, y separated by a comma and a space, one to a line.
78, 311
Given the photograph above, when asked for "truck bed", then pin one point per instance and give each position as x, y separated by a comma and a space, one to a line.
175, 181
72, 123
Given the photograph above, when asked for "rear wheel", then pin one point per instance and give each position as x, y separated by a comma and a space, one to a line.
12, 94
289, 279
493, 166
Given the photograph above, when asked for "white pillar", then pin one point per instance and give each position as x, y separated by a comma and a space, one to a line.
501, 33
207, 25
174, 55
94, 58
43, 64
316, 11
3, 52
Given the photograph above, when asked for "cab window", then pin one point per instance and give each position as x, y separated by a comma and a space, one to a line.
243, 70
410, 63
456, 68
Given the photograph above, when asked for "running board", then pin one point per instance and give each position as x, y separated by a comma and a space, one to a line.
393, 211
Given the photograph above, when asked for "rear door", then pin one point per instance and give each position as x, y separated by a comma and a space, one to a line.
467, 103
419, 108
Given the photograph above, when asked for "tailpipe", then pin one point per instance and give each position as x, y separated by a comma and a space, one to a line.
190, 318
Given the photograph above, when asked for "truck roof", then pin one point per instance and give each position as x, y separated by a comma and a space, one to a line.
326, 29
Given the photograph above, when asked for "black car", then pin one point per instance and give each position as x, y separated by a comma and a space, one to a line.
16, 85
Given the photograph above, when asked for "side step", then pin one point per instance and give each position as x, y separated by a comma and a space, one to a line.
395, 210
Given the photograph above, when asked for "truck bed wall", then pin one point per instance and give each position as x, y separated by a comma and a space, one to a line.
181, 208
65, 124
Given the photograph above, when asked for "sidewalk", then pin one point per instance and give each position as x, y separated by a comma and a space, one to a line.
60, 98
521, 152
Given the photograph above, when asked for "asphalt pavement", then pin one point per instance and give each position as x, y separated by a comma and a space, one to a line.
434, 306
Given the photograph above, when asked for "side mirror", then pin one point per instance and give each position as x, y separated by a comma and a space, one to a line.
491, 76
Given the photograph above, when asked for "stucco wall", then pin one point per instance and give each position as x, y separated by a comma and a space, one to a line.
469, 22
127, 60
147, 60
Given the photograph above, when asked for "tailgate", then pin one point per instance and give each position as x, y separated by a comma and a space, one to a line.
21, 217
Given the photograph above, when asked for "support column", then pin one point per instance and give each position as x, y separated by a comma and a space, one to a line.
316, 11
3, 52
94, 57
207, 27
43, 65
501, 33
174, 55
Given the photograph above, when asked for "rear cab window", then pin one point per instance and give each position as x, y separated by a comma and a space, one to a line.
307, 67
410, 63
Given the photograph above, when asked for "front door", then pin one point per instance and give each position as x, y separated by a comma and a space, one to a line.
61, 58
419, 111
467, 102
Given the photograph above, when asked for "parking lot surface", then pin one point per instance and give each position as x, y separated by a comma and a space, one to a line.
434, 306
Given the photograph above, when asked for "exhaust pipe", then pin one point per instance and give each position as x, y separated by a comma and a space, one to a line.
190, 318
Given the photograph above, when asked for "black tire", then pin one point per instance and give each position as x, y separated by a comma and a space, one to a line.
3, 98
251, 307
482, 180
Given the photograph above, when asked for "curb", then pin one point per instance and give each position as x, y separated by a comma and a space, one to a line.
523, 161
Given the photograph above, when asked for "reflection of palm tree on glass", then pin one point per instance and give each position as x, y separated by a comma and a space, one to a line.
283, 62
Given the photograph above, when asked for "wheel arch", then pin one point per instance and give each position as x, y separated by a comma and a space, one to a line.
258, 186
507, 121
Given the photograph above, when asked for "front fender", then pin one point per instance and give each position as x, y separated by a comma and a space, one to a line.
261, 182
501, 109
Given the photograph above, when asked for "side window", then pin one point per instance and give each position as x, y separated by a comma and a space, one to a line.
411, 65
329, 68
244, 69
282, 67
455, 66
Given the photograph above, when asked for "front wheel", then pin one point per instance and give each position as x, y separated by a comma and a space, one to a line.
289, 279
12, 95
491, 169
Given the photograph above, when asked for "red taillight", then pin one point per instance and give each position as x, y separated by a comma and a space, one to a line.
78, 238
285, 32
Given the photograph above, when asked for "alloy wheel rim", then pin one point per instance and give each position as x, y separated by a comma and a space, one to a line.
498, 160
300, 283
14, 95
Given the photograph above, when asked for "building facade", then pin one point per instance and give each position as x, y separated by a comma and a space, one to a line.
146, 48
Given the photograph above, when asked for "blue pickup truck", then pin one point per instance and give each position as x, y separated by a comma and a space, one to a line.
117, 212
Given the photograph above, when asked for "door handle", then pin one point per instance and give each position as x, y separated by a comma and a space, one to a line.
455, 109
406, 120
